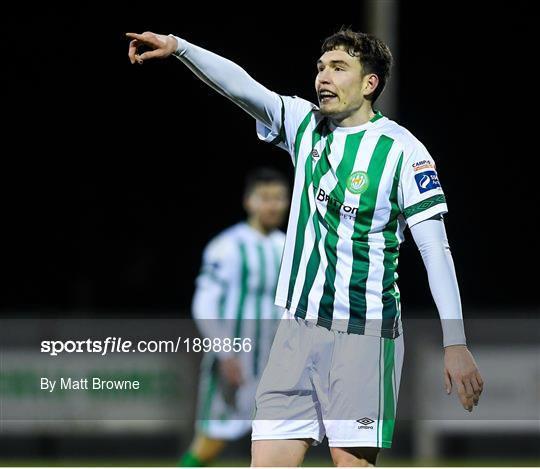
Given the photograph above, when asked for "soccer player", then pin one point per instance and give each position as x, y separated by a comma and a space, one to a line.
360, 179
234, 297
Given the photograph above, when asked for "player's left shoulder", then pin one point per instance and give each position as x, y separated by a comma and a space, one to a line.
413, 150
399, 134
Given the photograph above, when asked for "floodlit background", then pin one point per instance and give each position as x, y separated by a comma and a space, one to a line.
114, 178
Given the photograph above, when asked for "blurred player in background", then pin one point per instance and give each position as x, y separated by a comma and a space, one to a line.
360, 180
234, 297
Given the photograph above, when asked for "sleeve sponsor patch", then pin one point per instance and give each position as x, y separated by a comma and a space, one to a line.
427, 181
424, 164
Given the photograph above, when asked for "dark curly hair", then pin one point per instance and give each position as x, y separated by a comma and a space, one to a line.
374, 54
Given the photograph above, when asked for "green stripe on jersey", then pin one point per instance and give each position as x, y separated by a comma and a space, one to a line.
378, 115
390, 294
243, 289
362, 227
221, 303
331, 222
323, 166
300, 135
303, 215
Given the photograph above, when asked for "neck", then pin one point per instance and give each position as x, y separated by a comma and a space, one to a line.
257, 225
360, 116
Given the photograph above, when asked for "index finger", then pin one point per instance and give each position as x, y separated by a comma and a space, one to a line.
134, 35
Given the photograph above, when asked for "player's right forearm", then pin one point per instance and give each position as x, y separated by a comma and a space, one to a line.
230, 80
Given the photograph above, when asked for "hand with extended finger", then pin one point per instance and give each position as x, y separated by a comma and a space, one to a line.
162, 46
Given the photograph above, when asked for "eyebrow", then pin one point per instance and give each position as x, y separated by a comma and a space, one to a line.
334, 62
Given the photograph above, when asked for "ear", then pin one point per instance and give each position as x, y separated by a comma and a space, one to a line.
249, 203
369, 84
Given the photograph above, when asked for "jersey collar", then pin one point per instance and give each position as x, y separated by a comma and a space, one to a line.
375, 120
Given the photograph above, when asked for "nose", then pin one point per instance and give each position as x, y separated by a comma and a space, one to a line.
323, 76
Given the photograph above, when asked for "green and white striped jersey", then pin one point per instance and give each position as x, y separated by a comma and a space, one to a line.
355, 190
242, 266
235, 289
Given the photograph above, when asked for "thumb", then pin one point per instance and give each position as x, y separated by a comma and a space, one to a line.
447, 382
153, 54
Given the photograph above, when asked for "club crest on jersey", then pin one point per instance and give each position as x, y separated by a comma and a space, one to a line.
427, 181
358, 182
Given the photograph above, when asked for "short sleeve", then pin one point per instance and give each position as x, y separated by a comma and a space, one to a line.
293, 115
421, 194
219, 262
218, 272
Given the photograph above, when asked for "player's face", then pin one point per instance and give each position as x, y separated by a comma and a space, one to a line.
340, 84
268, 202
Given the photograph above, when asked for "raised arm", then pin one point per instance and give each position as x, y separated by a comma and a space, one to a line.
221, 74
460, 367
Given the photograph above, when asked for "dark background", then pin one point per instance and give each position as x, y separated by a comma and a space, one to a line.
116, 176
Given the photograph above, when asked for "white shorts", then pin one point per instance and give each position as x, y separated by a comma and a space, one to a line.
321, 382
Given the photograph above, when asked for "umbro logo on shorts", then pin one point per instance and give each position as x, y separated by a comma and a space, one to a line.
315, 154
365, 421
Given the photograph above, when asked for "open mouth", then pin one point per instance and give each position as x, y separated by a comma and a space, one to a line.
326, 96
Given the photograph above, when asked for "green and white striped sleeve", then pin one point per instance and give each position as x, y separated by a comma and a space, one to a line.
218, 274
286, 121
